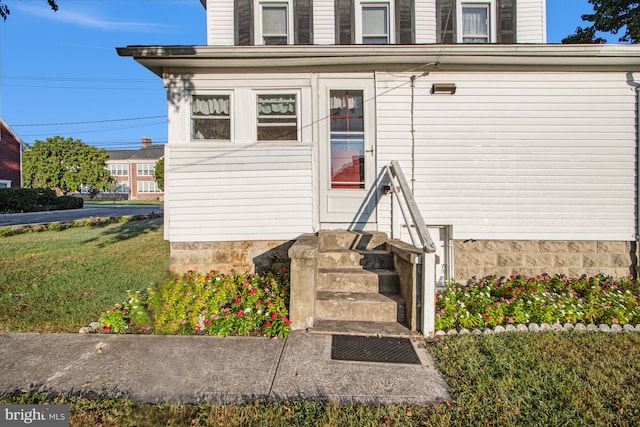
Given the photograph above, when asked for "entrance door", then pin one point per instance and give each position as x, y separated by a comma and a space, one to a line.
347, 153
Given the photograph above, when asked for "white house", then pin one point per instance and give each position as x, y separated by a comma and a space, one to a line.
520, 156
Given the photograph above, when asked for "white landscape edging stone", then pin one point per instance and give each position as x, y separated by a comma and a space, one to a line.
534, 327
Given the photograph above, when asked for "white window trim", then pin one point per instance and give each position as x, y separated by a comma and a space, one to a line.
283, 91
493, 27
257, 19
232, 115
392, 17
7, 182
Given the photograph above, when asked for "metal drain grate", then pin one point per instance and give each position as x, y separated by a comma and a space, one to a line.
373, 349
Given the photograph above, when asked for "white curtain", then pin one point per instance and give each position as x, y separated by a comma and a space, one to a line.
277, 104
475, 23
210, 106
341, 102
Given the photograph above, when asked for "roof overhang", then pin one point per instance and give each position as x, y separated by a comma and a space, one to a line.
5, 126
571, 57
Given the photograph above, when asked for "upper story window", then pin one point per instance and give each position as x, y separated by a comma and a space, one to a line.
146, 169
118, 169
274, 22
211, 117
277, 117
374, 22
477, 21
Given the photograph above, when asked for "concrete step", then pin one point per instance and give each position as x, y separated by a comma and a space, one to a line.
359, 306
362, 328
358, 280
344, 258
357, 240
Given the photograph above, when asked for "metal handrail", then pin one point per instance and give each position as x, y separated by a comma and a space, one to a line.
394, 172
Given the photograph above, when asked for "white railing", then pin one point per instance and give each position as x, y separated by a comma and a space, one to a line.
420, 237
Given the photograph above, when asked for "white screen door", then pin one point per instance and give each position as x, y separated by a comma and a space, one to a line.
347, 155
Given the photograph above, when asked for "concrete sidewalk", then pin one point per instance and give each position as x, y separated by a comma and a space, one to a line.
189, 369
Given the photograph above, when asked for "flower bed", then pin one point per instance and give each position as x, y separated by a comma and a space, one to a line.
211, 304
492, 301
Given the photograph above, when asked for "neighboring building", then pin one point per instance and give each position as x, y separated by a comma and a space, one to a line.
134, 170
521, 155
11, 148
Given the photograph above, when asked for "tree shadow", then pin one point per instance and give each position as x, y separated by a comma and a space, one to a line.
129, 230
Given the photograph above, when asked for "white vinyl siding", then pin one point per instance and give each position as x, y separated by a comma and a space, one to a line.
532, 156
531, 21
324, 31
229, 192
425, 21
220, 27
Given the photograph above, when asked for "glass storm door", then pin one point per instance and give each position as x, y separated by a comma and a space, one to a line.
347, 157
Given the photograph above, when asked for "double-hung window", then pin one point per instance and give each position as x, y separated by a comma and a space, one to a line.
274, 22
476, 22
277, 115
374, 22
118, 169
146, 169
211, 117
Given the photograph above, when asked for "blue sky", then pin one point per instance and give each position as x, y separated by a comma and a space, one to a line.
60, 73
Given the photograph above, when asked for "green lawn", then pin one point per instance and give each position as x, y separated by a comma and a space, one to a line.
58, 281
124, 202
61, 280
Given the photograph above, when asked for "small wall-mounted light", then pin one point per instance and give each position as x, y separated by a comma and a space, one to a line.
443, 89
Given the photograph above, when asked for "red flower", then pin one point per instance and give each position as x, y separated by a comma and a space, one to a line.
240, 313
274, 316
107, 328
237, 301
287, 322
267, 323
252, 291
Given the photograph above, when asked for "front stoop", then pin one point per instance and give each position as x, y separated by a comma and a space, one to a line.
357, 289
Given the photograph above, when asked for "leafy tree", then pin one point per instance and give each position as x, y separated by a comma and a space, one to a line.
584, 35
65, 165
4, 9
159, 173
611, 16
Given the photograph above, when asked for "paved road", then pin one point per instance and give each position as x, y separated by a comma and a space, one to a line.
95, 211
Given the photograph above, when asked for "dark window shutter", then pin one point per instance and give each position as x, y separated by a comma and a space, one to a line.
303, 15
243, 22
506, 21
344, 21
405, 22
446, 21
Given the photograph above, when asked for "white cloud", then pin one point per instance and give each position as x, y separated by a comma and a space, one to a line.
86, 18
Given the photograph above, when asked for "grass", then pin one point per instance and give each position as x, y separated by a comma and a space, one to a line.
58, 281
124, 202
517, 379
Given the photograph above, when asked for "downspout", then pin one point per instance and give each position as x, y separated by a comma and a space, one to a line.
636, 253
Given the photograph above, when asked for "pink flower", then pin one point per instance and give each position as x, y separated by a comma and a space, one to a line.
207, 322
240, 313
107, 328
267, 323
510, 319
274, 316
183, 321
252, 291
614, 320
123, 311
237, 301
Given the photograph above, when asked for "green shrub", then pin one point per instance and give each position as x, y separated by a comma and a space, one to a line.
18, 200
46, 197
211, 304
69, 202
493, 301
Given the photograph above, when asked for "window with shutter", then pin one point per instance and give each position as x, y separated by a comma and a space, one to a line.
273, 22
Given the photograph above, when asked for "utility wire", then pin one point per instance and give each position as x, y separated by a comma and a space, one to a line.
88, 122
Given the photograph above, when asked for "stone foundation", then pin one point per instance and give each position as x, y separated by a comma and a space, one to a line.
532, 257
247, 255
